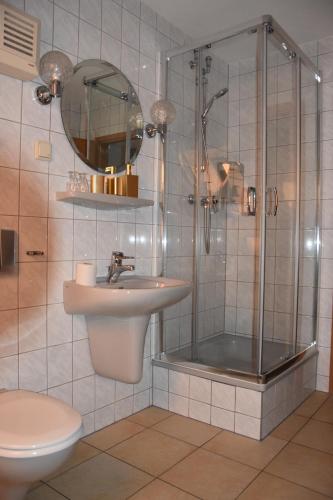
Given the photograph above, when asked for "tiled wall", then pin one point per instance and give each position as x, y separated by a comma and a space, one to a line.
325, 63
180, 156
242, 245
41, 347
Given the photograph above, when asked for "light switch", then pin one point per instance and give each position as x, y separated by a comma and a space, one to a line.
43, 150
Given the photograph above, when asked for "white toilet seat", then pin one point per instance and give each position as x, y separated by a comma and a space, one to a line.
35, 425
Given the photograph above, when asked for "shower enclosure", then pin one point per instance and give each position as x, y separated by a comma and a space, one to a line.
240, 203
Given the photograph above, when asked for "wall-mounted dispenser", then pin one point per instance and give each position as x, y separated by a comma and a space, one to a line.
19, 43
7, 249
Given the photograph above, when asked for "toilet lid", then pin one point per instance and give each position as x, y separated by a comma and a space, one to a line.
29, 420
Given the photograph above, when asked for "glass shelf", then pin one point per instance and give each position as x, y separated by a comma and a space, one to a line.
102, 201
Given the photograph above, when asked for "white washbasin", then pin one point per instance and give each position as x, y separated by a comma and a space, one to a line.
117, 317
130, 296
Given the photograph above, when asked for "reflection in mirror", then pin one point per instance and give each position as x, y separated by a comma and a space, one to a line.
102, 116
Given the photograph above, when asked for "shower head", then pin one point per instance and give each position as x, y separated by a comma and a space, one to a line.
210, 103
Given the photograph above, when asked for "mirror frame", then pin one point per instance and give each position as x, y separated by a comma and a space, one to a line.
70, 138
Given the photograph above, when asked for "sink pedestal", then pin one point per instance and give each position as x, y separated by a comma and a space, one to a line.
117, 345
117, 316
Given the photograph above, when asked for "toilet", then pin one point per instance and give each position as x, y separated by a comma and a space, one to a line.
37, 435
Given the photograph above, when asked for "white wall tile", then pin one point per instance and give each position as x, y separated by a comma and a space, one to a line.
199, 411
104, 416
105, 391
200, 389
9, 372
223, 396
32, 284
63, 392
223, 418
84, 395
82, 365
248, 402
9, 333
33, 370
179, 383
66, 31
10, 144
89, 41
160, 378
59, 364
59, 325
84, 240
33, 194
33, 236
161, 398
10, 102
247, 426
123, 408
60, 239
44, 10
32, 328
91, 11
178, 404
57, 273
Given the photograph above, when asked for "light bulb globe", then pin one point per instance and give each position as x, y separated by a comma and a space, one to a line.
55, 68
163, 112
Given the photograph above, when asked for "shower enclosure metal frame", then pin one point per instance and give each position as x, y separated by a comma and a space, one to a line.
266, 24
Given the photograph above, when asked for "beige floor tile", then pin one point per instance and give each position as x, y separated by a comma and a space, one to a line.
44, 493
246, 450
187, 429
151, 451
288, 428
150, 416
312, 404
82, 452
159, 490
317, 435
210, 476
113, 434
325, 413
304, 466
266, 487
103, 478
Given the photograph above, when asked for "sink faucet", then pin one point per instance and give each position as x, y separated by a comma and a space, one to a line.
117, 267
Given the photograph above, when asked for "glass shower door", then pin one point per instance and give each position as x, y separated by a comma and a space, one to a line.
282, 197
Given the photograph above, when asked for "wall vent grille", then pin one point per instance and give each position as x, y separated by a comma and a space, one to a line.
19, 43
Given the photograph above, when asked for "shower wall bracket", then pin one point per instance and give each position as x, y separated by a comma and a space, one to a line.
251, 200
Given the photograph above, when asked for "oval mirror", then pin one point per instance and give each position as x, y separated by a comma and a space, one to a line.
102, 116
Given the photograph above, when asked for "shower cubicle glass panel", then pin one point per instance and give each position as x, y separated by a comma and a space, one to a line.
241, 203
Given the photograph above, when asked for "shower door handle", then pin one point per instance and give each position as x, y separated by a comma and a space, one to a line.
276, 201
251, 200
269, 202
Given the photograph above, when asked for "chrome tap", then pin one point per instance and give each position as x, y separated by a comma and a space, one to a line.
117, 267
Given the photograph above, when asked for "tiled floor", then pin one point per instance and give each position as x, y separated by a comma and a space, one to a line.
157, 455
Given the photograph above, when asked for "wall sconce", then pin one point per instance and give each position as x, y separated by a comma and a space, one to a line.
162, 113
54, 69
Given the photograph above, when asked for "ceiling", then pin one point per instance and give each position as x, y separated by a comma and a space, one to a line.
304, 20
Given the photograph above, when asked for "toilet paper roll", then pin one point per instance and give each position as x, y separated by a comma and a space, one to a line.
86, 274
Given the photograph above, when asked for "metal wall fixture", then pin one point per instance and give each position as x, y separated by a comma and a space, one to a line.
162, 114
54, 69
251, 200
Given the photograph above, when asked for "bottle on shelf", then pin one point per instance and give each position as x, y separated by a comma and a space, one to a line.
128, 184
111, 181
